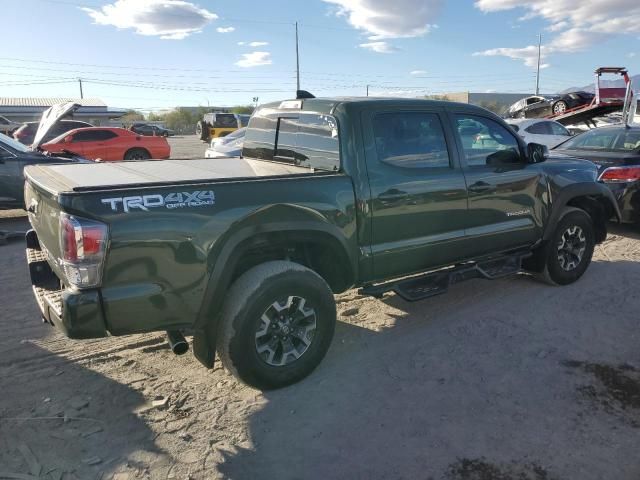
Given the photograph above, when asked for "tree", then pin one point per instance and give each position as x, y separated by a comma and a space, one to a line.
242, 110
131, 116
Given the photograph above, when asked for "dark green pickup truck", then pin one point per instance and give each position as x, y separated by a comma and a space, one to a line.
385, 194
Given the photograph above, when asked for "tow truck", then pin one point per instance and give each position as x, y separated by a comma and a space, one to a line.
606, 100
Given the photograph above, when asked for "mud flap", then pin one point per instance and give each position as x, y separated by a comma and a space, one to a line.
204, 346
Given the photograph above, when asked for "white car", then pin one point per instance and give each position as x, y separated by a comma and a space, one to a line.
229, 146
539, 130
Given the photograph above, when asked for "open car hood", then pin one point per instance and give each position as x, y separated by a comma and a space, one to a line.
50, 117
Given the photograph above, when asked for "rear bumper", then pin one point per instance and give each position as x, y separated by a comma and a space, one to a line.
78, 314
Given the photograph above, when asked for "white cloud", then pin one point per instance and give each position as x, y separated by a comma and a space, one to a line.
225, 29
382, 19
418, 72
631, 54
254, 59
580, 23
167, 19
253, 44
379, 47
527, 54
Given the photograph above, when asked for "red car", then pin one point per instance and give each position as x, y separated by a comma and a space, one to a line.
108, 144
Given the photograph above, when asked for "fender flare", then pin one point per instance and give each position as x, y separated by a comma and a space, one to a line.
568, 193
206, 324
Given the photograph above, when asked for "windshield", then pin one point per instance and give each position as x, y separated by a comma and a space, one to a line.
622, 139
10, 142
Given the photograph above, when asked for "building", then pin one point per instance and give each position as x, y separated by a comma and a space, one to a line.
30, 109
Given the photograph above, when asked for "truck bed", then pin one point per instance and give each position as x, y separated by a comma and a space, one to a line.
99, 176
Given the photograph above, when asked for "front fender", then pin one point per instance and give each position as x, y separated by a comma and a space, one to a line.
574, 191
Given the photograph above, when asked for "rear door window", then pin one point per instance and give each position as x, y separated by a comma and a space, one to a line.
410, 140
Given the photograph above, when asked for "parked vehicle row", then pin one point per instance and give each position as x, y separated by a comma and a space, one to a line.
397, 194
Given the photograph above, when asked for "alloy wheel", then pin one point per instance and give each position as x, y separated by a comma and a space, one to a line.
286, 331
571, 248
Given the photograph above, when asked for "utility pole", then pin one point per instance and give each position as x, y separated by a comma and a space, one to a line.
80, 82
538, 72
297, 60
367, 90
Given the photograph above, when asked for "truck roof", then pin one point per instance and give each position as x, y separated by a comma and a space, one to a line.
327, 105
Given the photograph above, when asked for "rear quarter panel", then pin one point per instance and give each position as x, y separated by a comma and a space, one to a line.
159, 261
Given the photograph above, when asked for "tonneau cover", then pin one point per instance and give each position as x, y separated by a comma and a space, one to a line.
97, 176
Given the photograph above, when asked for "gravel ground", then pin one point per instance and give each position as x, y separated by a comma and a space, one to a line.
509, 379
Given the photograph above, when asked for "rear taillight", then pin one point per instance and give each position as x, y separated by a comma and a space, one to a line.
82, 246
620, 174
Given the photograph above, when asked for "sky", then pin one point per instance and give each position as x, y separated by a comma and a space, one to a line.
159, 54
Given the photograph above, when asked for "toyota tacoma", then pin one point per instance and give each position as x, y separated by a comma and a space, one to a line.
246, 254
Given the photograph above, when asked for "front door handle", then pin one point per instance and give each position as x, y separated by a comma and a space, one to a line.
482, 187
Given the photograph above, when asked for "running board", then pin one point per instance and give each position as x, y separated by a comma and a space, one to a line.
435, 283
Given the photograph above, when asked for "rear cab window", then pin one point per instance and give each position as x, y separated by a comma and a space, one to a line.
301, 138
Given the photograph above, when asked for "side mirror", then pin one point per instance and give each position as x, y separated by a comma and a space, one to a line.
537, 153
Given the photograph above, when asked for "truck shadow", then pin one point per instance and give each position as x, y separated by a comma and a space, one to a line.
58, 418
457, 386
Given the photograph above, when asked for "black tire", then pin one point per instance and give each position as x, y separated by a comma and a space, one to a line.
559, 107
561, 267
203, 130
137, 154
251, 298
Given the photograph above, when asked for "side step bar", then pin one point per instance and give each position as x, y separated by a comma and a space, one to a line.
435, 283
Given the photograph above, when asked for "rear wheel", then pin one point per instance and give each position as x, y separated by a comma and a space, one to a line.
570, 249
137, 154
559, 107
276, 324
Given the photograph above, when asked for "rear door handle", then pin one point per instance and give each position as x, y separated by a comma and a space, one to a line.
393, 197
481, 187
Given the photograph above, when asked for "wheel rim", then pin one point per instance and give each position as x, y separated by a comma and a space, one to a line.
285, 331
559, 107
571, 248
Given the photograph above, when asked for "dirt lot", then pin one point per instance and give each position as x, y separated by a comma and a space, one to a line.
499, 380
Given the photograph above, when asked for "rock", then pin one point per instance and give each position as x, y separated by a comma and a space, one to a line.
161, 402
350, 312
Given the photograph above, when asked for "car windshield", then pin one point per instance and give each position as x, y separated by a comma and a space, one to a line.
616, 139
10, 142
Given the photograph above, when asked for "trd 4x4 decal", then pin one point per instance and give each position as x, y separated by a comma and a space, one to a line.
171, 201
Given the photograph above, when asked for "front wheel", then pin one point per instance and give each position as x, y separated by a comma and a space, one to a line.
570, 249
276, 324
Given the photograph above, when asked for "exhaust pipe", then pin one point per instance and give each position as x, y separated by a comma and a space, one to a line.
177, 342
